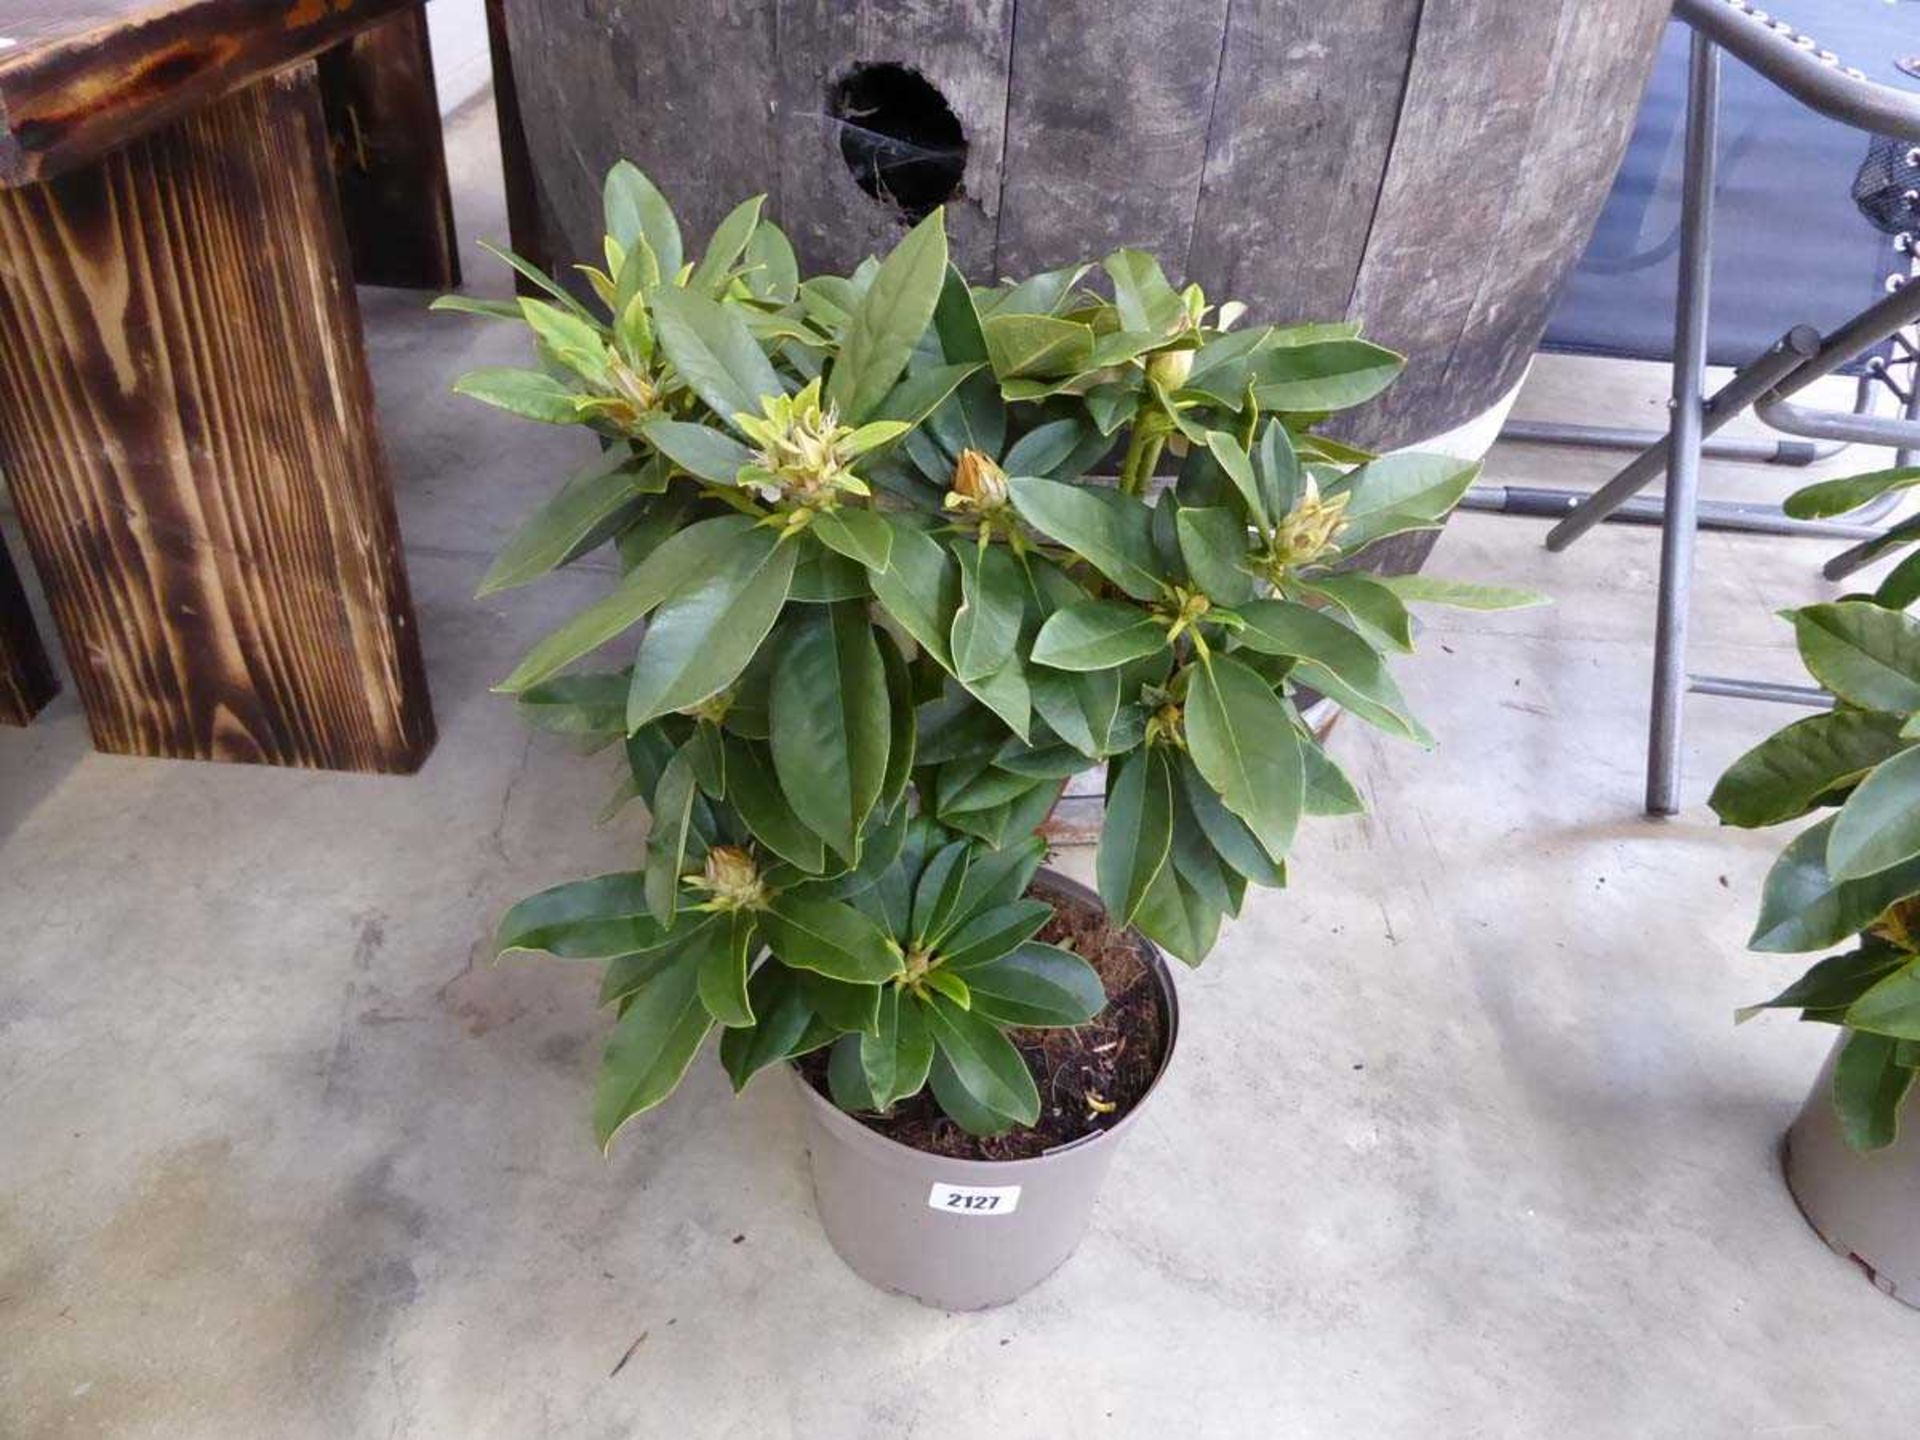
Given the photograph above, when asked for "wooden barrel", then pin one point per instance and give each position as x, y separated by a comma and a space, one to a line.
1431, 170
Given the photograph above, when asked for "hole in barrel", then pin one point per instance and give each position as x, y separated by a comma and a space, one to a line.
899, 138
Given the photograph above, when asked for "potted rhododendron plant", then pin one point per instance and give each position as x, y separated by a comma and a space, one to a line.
1850, 882
900, 556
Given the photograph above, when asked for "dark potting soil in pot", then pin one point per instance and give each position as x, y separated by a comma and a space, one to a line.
1111, 1061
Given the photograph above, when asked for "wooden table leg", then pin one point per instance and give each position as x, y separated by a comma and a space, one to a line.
27, 681
187, 428
384, 119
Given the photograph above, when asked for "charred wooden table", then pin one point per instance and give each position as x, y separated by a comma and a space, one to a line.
186, 416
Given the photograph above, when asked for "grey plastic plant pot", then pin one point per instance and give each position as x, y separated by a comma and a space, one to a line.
1866, 1207
965, 1234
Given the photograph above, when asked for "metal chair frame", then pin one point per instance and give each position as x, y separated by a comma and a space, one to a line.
1767, 385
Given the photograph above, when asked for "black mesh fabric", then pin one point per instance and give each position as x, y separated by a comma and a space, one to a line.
1887, 187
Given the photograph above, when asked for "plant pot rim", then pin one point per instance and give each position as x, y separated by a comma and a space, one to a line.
885, 1148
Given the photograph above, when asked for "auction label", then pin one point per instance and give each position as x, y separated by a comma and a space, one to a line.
974, 1200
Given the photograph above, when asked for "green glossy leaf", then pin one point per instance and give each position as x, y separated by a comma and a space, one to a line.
1827, 498
678, 562
1019, 346
983, 1062
831, 723
860, 535
715, 353
847, 1081
1879, 825
999, 877
845, 1005
781, 1015
649, 1050
594, 705
1237, 466
1044, 448
723, 986
1329, 791
1802, 907
896, 1060
1783, 776
992, 599
1176, 917
1113, 532
1835, 982
937, 893
754, 792
1037, 985
1276, 469
672, 817
1891, 1006
1213, 541
1243, 743
922, 392
1868, 656
1323, 376
1333, 659
1007, 694
700, 450
993, 933
1373, 608
772, 273
1097, 635
699, 641
920, 588
532, 394
727, 245
1145, 300
582, 920
889, 320
635, 208
1227, 833
575, 520
812, 932
1401, 492
538, 278
1868, 1087
1432, 590
1136, 833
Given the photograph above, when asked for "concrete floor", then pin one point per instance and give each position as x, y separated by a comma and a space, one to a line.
1461, 1140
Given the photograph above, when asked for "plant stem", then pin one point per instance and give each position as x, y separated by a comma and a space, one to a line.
1143, 453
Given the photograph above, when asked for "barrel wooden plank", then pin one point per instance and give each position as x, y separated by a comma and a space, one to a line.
1082, 74
388, 165
526, 227
87, 76
1554, 204
187, 426
27, 681
961, 50
1433, 259
687, 99
1308, 97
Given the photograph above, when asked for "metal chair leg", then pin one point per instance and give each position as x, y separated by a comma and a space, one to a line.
1683, 464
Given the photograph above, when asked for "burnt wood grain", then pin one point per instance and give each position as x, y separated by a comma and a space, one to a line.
187, 427
389, 168
87, 77
27, 681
